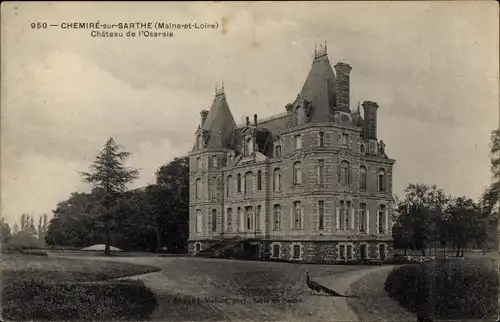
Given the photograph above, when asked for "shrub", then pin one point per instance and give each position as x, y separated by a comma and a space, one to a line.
446, 289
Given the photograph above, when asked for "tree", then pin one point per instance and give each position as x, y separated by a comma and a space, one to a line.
173, 180
464, 222
5, 233
109, 177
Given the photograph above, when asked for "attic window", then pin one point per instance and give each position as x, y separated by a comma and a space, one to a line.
249, 146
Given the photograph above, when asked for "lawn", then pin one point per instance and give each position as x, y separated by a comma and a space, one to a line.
48, 288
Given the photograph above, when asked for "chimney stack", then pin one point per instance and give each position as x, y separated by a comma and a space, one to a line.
255, 120
370, 119
248, 121
343, 71
204, 115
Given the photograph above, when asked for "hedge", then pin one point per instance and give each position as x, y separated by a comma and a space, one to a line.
446, 289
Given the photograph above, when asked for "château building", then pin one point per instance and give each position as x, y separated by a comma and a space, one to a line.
313, 183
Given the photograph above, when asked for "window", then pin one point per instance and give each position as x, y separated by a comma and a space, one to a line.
381, 251
249, 146
296, 252
277, 180
228, 185
229, 218
363, 251
210, 189
345, 138
200, 141
297, 215
381, 180
381, 219
214, 220
321, 214
297, 174
342, 251
198, 163
321, 137
349, 251
277, 217
348, 215
214, 162
321, 171
298, 116
229, 160
362, 217
344, 172
362, 148
298, 142
257, 218
198, 247
199, 221
197, 188
238, 182
276, 251
248, 182
342, 215
362, 177
259, 180
238, 217
277, 151
248, 218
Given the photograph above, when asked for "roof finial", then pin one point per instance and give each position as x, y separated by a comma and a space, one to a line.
325, 48
358, 110
315, 51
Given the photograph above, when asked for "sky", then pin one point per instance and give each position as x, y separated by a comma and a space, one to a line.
431, 66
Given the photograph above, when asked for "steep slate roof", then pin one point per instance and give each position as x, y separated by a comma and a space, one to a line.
219, 124
319, 88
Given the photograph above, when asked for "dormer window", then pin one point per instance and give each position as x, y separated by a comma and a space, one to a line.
277, 151
249, 146
229, 159
200, 141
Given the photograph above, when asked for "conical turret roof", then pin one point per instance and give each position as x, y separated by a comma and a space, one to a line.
319, 88
220, 123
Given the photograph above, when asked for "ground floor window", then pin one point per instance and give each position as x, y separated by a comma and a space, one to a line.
296, 251
381, 251
349, 251
276, 251
342, 251
197, 247
363, 251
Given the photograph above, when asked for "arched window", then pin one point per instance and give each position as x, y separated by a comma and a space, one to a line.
214, 220
238, 182
362, 217
382, 180
199, 221
229, 219
259, 180
277, 180
344, 172
345, 138
297, 173
257, 218
228, 185
296, 252
248, 218
197, 188
248, 182
276, 250
277, 217
249, 146
229, 160
342, 215
297, 215
381, 219
362, 177
214, 162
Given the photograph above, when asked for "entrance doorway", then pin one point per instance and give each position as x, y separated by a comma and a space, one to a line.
363, 251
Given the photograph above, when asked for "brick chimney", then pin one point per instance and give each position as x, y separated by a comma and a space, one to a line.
248, 121
370, 119
204, 115
255, 120
343, 72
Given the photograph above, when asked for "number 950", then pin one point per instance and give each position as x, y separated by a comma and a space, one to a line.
38, 25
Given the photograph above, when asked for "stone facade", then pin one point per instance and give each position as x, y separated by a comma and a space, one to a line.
313, 180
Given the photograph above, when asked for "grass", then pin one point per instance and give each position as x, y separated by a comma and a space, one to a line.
47, 288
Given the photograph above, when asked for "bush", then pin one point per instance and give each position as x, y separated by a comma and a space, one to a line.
446, 289
39, 300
